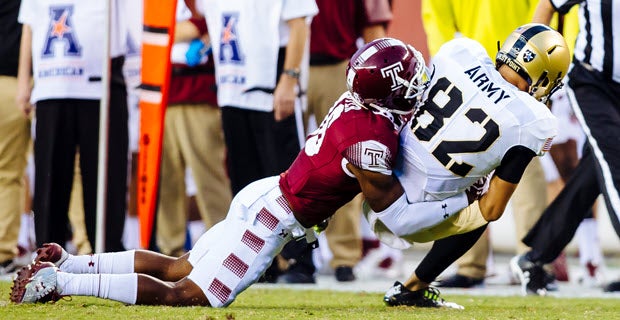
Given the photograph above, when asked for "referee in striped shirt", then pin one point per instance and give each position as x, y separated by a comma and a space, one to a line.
593, 87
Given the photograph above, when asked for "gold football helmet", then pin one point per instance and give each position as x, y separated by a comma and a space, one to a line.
539, 55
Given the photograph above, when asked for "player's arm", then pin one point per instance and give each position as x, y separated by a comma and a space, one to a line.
24, 71
493, 203
386, 198
504, 182
384, 193
380, 190
378, 14
284, 96
188, 30
544, 12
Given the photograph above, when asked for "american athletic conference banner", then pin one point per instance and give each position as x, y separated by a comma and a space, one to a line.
157, 40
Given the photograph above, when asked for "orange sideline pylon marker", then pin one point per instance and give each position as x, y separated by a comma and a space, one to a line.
157, 40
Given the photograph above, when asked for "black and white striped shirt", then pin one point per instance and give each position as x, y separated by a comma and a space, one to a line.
598, 42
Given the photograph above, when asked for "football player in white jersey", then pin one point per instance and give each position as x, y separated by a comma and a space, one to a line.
479, 118
408, 215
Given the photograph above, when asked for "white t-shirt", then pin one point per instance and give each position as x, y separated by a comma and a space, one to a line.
133, 57
470, 119
67, 46
246, 36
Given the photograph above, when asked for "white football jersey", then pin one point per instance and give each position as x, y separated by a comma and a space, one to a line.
246, 36
67, 45
470, 119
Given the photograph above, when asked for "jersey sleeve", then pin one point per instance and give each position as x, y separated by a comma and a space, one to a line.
371, 155
563, 6
292, 9
514, 163
27, 12
377, 12
538, 136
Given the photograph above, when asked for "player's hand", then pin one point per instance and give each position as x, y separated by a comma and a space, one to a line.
284, 98
196, 51
477, 190
22, 99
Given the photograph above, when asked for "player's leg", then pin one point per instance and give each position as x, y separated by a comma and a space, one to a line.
152, 291
42, 282
241, 248
133, 261
443, 253
226, 260
416, 290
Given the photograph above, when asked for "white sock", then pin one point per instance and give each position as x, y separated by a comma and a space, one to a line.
26, 231
113, 263
119, 287
589, 243
131, 232
196, 229
395, 254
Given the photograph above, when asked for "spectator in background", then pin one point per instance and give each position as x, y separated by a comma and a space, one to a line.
132, 69
593, 87
62, 50
261, 68
14, 139
333, 40
192, 139
488, 22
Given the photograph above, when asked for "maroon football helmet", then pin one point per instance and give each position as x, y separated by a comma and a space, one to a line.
387, 73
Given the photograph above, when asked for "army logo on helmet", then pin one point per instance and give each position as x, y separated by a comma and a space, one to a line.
528, 56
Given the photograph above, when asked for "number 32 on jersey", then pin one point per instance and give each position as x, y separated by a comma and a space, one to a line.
444, 100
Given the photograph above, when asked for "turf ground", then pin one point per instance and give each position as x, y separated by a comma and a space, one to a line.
281, 303
361, 299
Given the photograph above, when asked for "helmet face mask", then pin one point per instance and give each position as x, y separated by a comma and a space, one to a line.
539, 55
387, 74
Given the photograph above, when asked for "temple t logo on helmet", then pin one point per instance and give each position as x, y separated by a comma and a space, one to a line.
539, 55
387, 74
392, 72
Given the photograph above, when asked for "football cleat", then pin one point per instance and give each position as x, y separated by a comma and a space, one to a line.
51, 252
460, 281
399, 295
532, 276
36, 283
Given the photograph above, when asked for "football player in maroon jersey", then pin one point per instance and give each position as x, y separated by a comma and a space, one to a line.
358, 138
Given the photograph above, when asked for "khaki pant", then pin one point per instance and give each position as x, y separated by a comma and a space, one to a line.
14, 146
528, 203
344, 235
192, 137
76, 213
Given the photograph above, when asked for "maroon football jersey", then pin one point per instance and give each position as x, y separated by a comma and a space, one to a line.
318, 183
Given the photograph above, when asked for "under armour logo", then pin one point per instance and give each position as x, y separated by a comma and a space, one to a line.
392, 72
283, 233
445, 212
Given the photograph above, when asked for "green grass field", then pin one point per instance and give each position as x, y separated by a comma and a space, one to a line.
311, 304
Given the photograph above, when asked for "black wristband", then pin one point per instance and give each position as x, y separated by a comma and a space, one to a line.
293, 73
